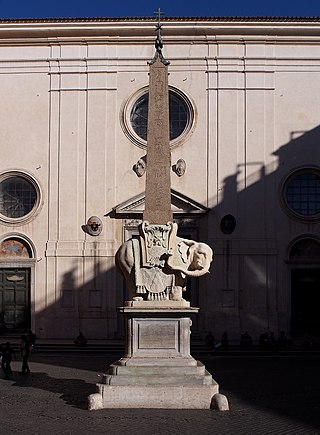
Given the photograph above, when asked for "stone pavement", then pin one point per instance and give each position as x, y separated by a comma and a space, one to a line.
267, 394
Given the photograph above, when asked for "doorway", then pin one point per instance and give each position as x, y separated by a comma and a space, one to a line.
15, 299
305, 301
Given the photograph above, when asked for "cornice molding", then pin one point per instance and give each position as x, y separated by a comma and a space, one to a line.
129, 30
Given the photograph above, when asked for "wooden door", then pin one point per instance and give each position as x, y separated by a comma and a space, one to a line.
15, 298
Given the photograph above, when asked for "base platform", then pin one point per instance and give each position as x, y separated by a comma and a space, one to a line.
157, 370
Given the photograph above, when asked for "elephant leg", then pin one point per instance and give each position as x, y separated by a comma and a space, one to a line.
178, 287
176, 293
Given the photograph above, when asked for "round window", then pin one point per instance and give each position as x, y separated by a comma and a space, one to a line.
302, 193
19, 196
135, 117
178, 115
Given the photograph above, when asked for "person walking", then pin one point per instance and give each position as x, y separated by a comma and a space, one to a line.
6, 358
25, 349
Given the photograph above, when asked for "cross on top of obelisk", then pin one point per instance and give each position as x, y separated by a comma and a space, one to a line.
159, 43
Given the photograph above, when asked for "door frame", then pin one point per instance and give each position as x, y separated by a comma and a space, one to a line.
306, 257
25, 264
301, 266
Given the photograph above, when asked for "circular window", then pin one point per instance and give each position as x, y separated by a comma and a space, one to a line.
302, 193
178, 115
135, 117
19, 197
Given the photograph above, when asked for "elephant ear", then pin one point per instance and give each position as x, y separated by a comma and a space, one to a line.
183, 249
179, 259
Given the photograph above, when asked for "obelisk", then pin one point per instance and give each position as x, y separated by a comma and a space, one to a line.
158, 192
157, 369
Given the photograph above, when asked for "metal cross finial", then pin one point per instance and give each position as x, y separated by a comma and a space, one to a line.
159, 43
159, 13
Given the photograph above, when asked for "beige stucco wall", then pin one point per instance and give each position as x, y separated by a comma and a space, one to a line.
256, 100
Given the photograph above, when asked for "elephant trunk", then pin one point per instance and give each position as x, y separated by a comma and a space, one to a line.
194, 273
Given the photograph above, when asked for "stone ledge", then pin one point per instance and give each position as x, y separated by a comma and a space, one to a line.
156, 309
159, 362
154, 396
157, 304
177, 378
117, 369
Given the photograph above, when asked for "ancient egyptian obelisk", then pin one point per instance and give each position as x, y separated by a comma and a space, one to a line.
157, 370
158, 193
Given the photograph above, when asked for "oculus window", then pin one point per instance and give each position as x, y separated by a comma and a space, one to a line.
19, 197
178, 115
135, 117
302, 193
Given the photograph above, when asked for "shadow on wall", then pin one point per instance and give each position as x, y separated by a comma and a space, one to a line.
251, 280
253, 287
89, 308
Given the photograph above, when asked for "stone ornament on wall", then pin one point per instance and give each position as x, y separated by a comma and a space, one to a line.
180, 167
228, 224
140, 167
94, 226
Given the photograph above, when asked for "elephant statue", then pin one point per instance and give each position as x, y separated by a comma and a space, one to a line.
156, 265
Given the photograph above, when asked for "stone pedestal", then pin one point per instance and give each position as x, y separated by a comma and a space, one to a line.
157, 370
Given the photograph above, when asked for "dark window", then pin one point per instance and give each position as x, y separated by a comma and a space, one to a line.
178, 115
18, 197
305, 250
302, 193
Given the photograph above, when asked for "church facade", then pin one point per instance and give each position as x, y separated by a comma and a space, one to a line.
245, 175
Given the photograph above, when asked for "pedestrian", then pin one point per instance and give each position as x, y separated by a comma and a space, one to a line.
81, 340
31, 337
210, 340
246, 341
224, 340
6, 358
25, 349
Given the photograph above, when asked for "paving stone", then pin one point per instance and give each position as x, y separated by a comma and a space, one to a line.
267, 395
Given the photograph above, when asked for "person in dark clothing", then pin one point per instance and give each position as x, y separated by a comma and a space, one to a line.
224, 340
81, 340
25, 349
6, 358
210, 340
246, 341
31, 337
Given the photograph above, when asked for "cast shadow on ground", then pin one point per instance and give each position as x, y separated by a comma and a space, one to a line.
285, 386
73, 391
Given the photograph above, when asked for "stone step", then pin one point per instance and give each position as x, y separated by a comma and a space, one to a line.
154, 396
119, 370
177, 379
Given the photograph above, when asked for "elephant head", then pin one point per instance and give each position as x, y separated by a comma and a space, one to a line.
191, 258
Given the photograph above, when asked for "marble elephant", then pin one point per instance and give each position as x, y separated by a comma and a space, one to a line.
184, 258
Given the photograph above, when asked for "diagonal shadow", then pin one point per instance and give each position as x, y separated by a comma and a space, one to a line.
73, 391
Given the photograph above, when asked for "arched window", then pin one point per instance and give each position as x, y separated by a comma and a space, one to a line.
305, 250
